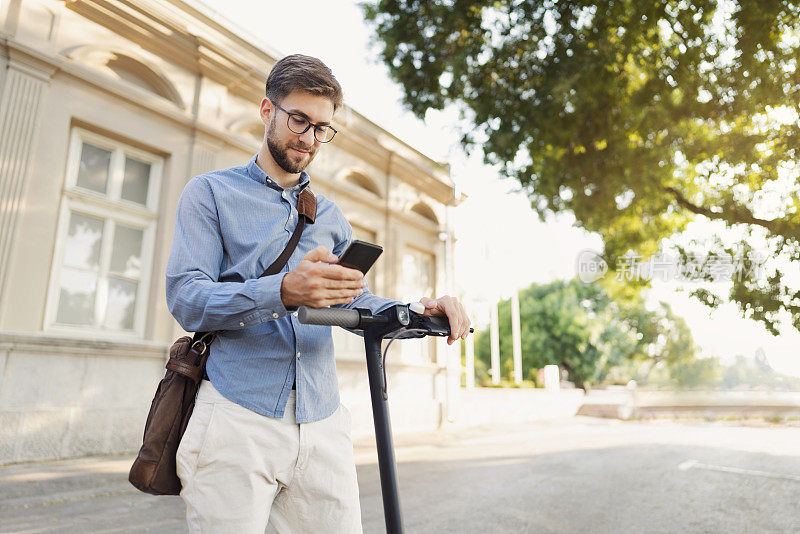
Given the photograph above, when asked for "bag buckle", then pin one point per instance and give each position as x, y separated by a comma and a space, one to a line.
202, 342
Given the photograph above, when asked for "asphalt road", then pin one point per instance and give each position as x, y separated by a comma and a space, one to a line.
577, 475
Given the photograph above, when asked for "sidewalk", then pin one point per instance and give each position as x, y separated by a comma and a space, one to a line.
42, 483
81, 495
94, 492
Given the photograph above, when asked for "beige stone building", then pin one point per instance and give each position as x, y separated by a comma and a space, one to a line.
107, 109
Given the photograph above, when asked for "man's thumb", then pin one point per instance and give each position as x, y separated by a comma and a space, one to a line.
321, 254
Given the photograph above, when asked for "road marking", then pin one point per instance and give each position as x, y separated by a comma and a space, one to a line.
694, 464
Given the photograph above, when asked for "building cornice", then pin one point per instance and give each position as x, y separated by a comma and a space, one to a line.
190, 38
35, 343
127, 92
415, 176
394, 144
32, 64
46, 66
367, 149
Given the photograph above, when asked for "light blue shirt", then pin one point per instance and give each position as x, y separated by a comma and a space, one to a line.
230, 226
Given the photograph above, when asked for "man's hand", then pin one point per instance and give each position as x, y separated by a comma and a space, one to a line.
317, 282
453, 310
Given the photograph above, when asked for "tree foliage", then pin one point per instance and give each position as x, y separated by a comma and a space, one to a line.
637, 117
581, 328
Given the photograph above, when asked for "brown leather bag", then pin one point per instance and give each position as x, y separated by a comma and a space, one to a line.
154, 471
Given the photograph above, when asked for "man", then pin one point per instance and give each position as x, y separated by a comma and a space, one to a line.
269, 440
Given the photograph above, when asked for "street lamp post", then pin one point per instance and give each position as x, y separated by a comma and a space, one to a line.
516, 337
495, 343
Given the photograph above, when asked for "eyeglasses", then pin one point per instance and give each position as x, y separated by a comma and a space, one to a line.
300, 125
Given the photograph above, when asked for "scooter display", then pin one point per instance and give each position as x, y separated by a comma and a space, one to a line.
397, 322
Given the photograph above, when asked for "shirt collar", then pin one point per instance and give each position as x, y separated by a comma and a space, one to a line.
257, 173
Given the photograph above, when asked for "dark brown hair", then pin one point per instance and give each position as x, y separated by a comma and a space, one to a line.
302, 73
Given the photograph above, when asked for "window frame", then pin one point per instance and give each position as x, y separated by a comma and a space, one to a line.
429, 342
113, 210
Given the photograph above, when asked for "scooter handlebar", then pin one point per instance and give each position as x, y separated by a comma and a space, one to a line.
329, 316
348, 318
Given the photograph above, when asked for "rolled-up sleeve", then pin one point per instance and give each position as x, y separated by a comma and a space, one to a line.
195, 297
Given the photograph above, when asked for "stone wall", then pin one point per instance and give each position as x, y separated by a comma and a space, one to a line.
627, 403
509, 405
62, 398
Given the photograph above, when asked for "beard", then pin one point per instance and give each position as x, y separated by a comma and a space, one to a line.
288, 161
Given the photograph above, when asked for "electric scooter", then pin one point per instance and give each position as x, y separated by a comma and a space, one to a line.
398, 322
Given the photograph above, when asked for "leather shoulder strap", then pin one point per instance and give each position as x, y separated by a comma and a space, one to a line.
307, 207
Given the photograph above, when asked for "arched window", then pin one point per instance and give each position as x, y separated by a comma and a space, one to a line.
364, 182
249, 125
420, 208
122, 66
255, 129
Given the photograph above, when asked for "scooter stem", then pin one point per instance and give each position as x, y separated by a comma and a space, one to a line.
383, 430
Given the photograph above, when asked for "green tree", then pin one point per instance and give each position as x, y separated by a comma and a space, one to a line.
637, 117
702, 372
581, 328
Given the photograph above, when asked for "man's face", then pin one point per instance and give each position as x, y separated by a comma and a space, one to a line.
293, 152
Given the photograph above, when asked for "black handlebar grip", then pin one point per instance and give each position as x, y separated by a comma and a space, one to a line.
329, 316
442, 322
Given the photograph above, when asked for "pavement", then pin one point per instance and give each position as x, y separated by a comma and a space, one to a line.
574, 475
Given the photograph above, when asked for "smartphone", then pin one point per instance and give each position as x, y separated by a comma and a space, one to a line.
360, 255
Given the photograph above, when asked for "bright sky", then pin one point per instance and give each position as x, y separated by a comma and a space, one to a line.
498, 236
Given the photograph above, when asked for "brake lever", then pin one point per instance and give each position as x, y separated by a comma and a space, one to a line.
416, 325
435, 326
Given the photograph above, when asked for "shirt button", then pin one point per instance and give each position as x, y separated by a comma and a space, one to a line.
298, 355
275, 315
241, 324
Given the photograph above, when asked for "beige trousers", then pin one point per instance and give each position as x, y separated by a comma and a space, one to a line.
242, 471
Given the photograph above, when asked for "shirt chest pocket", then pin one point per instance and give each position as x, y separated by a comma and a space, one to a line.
312, 238
327, 232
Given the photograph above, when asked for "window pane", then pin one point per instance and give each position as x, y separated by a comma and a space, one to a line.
83, 241
136, 182
417, 282
93, 170
121, 304
417, 275
76, 300
126, 256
